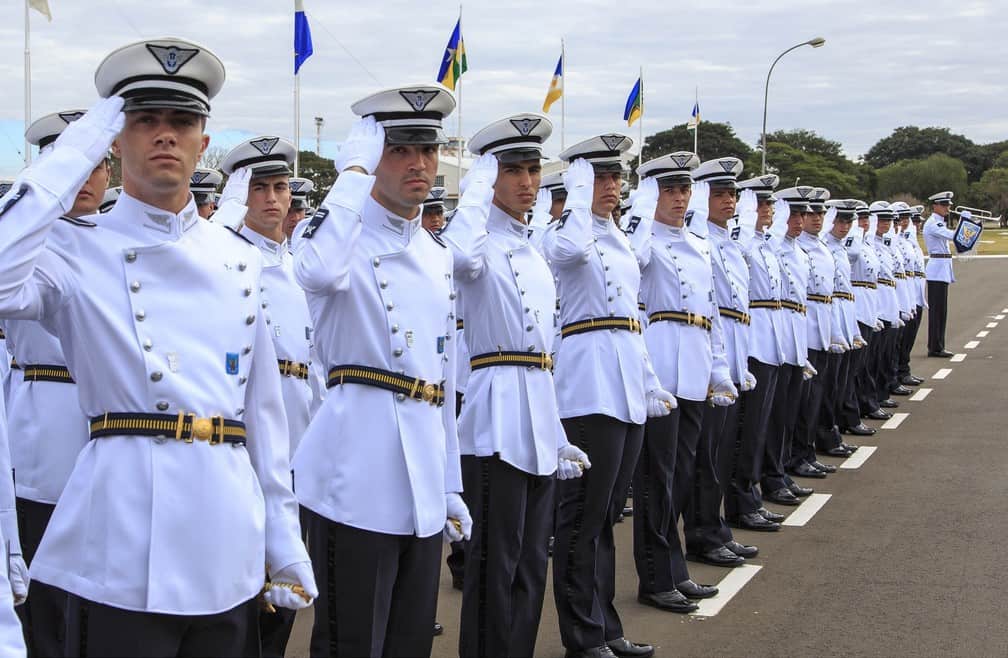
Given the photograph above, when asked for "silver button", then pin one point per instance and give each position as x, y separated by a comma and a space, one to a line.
383, 284
241, 267
516, 272
135, 286
601, 253
156, 376
510, 254
163, 406
246, 349
531, 348
610, 299
527, 309
395, 328
140, 315
242, 380
148, 344
521, 291
397, 352
400, 397
265, 304
451, 295
239, 411
130, 256
376, 262
529, 327
606, 268
389, 306
250, 319
247, 292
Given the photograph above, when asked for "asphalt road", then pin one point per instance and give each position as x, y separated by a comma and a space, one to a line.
905, 558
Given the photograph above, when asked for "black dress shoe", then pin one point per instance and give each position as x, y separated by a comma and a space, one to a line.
438, 629
627, 511
673, 601
695, 590
878, 414
889, 404
742, 550
595, 652
806, 470
901, 390
849, 447
944, 354
624, 647
719, 557
825, 468
799, 491
769, 516
859, 430
759, 523
838, 451
783, 496
910, 380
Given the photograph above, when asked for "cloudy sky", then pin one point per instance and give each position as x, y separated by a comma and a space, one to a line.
885, 64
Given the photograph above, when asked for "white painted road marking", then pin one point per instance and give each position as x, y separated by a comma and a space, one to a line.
804, 512
729, 586
983, 334
859, 457
920, 395
992, 325
942, 374
957, 358
972, 344
1001, 317
895, 421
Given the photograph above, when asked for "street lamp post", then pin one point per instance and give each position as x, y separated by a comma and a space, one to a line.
815, 43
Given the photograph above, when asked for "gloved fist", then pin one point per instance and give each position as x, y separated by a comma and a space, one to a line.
879, 326
232, 209
458, 525
899, 324
749, 379
363, 146
660, 403
859, 342
477, 184
723, 394
904, 316
92, 134
579, 180
571, 462
838, 346
292, 587
18, 576
808, 372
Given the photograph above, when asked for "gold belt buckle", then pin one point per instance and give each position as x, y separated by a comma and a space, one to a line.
202, 429
428, 393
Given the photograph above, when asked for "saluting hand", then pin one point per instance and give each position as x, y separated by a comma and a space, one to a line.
92, 134
363, 146
579, 180
477, 184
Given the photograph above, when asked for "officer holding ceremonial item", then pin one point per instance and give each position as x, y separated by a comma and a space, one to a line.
937, 235
599, 281
378, 467
158, 313
512, 442
203, 185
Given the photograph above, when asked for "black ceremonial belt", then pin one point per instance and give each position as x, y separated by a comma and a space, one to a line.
837, 294
539, 360
692, 319
600, 324
738, 316
940, 255
865, 284
181, 427
772, 304
41, 372
897, 275
887, 282
821, 299
411, 387
793, 306
919, 274
294, 369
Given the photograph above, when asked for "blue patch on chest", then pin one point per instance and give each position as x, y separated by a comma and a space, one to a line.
231, 363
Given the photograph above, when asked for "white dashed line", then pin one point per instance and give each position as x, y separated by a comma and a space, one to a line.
983, 334
1001, 317
895, 421
942, 374
992, 325
921, 394
972, 344
804, 512
957, 358
859, 457
729, 586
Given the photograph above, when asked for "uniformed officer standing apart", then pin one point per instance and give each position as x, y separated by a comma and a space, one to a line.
378, 467
203, 185
938, 270
267, 161
512, 442
604, 415
47, 427
189, 437
685, 341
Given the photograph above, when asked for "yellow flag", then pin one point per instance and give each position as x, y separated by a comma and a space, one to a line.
42, 7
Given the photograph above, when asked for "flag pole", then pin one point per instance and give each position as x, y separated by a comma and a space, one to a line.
696, 123
297, 105
27, 82
640, 121
458, 82
563, 96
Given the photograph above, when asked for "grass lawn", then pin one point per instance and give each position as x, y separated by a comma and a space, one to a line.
993, 240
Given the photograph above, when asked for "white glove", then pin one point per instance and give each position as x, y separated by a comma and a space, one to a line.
724, 394
879, 326
660, 403
477, 184
541, 210
292, 587
457, 513
808, 372
904, 316
749, 379
19, 579
837, 347
859, 342
899, 324
571, 462
828, 221
231, 209
92, 134
781, 213
363, 146
646, 199
579, 180
699, 203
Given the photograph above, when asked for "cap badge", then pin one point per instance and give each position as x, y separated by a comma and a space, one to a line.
198, 177
612, 142
804, 191
296, 185
767, 180
727, 165
525, 126
172, 58
418, 99
70, 116
265, 145
681, 161
437, 194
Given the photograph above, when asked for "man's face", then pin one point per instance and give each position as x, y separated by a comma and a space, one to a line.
941, 209
159, 150
556, 208
404, 176
672, 202
841, 227
607, 192
883, 226
205, 210
903, 222
91, 194
795, 223
268, 202
433, 218
516, 186
764, 213
862, 221
813, 222
294, 217
721, 205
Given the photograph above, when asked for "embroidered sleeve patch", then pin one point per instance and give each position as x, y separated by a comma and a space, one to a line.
316, 221
632, 225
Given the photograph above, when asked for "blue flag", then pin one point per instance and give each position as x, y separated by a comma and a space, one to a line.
302, 36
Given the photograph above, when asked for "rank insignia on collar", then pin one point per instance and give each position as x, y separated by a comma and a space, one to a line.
172, 58
231, 363
265, 145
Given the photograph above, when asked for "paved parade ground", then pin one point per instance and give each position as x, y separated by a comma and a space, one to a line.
905, 554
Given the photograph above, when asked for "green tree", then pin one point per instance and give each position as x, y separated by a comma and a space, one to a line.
991, 192
715, 140
794, 165
913, 143
922, 178
809, 142
321, 171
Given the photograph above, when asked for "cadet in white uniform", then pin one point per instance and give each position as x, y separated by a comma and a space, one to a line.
158, 315
47, 429
890, 312
379, 465
203, 185
938, 270
510, 435
300, 188
14, 578
604, 415
913, 260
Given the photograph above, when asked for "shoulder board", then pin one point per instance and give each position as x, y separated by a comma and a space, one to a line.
632, 225
316, 221
563, 218
735, 232
76, 221
436, 238
238, 235
12, 198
